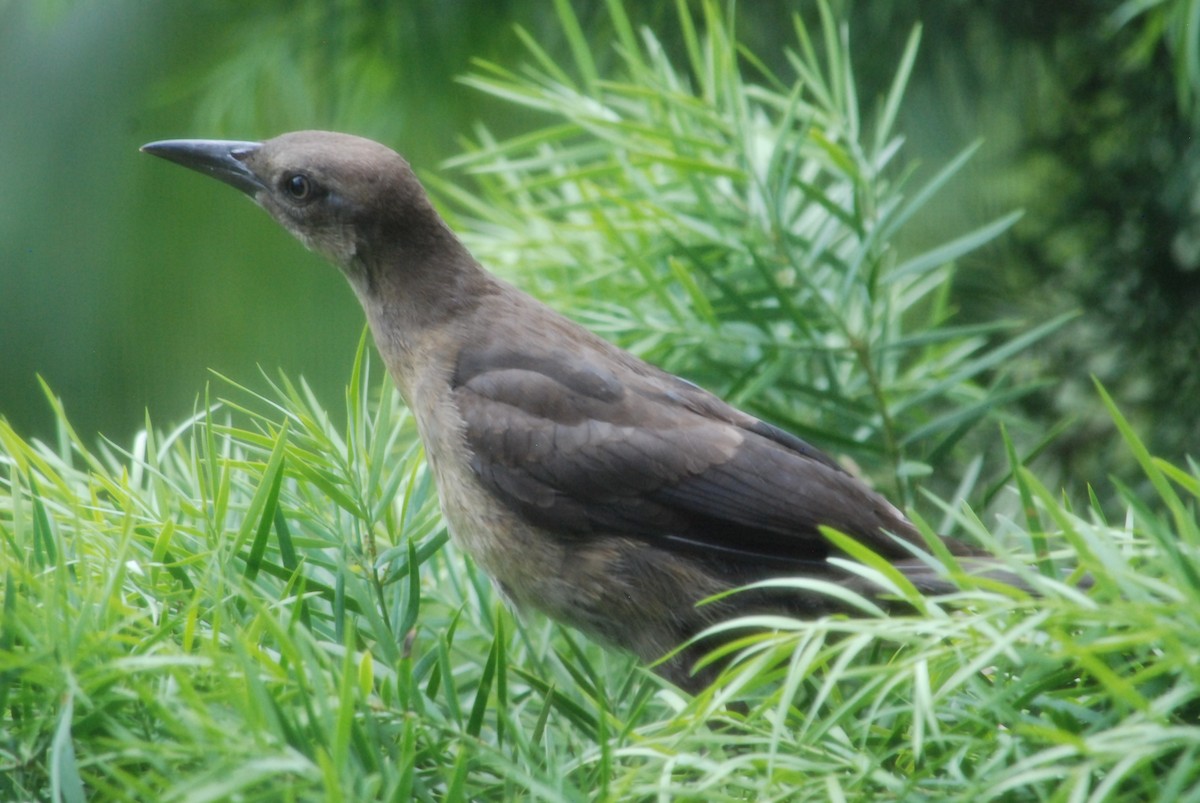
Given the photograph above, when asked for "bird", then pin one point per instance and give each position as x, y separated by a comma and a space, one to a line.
591, 486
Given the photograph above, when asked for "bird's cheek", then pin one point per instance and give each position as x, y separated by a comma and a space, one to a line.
328, 239
336, 242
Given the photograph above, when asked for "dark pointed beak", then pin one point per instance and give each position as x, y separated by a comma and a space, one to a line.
222, 159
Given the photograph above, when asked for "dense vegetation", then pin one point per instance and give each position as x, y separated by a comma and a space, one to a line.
260, 603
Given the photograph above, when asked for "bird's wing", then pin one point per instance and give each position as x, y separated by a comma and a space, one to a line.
584, 445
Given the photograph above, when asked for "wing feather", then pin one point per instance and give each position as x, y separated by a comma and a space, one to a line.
581, 451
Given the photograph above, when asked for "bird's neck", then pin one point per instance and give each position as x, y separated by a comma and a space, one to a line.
416, 300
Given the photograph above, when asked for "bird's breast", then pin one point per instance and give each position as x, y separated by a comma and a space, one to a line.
524, 562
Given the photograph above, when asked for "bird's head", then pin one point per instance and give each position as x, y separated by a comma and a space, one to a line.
354, 201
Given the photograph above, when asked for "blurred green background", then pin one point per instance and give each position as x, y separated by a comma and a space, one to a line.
123, 280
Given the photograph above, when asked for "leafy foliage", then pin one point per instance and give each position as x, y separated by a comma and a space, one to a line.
1173, 22
261, 604
744, 234
1090, 126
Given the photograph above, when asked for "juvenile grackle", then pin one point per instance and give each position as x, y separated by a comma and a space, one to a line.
590, 485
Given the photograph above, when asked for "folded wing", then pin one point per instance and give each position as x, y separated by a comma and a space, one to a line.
588, 446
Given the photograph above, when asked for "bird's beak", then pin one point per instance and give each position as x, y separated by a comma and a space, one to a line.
222, 159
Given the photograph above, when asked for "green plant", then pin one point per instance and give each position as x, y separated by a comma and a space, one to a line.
261, 604
1171, 21
744, 234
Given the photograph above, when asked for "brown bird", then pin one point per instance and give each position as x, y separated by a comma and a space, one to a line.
590, 485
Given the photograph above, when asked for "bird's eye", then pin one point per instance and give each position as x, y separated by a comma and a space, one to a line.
299, 187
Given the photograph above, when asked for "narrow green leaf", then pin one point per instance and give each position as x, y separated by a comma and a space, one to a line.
65, 783
948, 252
346, 707
262, 507
872, 559
483, 692
1185, 526
891, 223
895, 95
1033, 524
580, 48
45, 551
990, 359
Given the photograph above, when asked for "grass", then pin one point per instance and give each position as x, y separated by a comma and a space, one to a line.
260, 603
